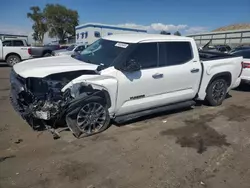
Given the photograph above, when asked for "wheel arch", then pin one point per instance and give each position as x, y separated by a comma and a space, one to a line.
46, 51
225, 75
12, 53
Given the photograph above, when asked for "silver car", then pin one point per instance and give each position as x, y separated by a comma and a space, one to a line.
71, 50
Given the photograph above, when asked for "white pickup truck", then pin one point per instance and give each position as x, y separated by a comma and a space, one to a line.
120, 77
14, 50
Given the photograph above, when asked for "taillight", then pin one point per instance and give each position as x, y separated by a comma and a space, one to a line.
29, 51
246, 65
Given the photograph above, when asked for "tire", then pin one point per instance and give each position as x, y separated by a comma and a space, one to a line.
216, 92
89, 118
47, 54
12, 60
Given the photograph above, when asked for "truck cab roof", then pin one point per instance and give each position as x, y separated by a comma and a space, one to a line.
141, 37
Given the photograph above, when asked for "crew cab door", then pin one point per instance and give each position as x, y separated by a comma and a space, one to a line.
170, 72
137, 90
181, 70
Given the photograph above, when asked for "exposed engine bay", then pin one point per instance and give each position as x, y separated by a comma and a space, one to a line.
41, 102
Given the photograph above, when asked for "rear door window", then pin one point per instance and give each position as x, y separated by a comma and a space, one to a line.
18, 43
146, 55
174, 53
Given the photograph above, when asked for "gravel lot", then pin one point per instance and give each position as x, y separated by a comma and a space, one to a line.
201, 147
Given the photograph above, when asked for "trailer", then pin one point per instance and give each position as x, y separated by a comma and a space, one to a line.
90, 32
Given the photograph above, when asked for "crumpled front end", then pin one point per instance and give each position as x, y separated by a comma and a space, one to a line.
43, 102
37, 99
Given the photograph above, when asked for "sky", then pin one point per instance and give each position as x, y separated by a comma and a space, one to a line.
187, 16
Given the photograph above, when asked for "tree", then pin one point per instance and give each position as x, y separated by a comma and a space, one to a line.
35, 36
177, 33
39, 26
165, 33
61, 21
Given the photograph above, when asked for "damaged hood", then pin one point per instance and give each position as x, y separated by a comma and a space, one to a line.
42, 67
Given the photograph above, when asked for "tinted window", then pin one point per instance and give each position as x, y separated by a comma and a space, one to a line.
18, 43
82, 34
97, 34
228, 48
244, 53
70, 48
79, 48
7, 43
146, 55
222, 49
174, 53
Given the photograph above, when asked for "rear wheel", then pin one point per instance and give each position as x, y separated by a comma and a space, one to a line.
47, 54
91, 118
12, 60
216, 92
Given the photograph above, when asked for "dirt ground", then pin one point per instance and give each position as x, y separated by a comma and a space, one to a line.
201, 147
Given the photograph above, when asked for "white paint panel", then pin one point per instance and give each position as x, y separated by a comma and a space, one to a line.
219, 36
233, 35
247, 34
220, 41
246, 40
206, 37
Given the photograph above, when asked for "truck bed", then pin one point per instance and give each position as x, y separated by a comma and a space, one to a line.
215, 63
208, 55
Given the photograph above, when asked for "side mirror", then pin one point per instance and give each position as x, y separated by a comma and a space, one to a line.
131, 66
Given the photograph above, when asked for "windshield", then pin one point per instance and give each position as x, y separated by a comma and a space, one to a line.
70, 48
102, 52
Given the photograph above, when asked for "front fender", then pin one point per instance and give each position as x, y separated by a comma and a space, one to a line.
92, 83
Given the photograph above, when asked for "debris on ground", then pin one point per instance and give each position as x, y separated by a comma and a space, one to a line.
18, 141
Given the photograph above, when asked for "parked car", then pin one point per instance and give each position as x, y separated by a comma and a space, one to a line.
219, 48
43, 51
245, 53
121, 77
63, 47
71, 50
14, 50
216, 48
239, 48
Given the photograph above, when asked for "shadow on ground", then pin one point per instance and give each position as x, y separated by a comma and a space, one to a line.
243, 87
197, 134
155, 115
3, 65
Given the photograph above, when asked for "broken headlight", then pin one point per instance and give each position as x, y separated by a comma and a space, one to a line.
37, 85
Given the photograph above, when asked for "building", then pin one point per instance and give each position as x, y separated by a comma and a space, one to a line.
90, 32
10, 36
230, 37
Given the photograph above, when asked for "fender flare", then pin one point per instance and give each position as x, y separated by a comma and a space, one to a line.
226, 75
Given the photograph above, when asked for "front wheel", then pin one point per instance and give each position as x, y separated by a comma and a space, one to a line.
91, 118
216, 92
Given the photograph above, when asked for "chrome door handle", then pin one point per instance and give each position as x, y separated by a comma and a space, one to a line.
195, 70
157, 75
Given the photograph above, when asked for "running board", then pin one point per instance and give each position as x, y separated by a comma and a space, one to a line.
175, 106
